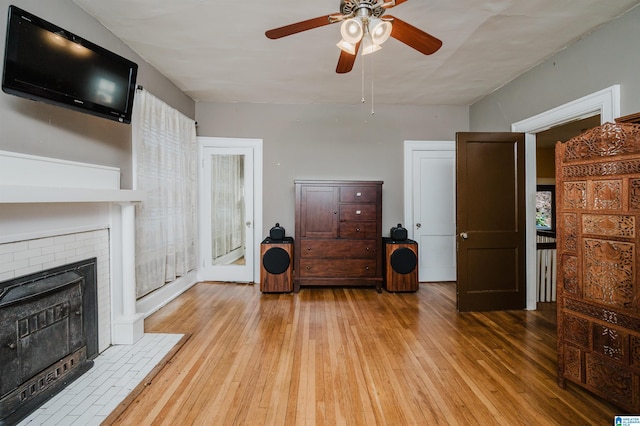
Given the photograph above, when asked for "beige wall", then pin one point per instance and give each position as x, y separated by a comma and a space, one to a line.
300, 141
317, 141
39, 129
545, 163
330, 142
605, 57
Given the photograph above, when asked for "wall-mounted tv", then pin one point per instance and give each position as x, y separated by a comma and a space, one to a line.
47, 63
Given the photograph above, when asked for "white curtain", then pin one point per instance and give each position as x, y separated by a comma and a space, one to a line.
228, 198
165, 158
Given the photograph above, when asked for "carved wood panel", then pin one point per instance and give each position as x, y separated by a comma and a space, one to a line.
573, 365
607, 195
577, 330
634, 194
613, 381
598, 206
570, 275
634, 351
608, 272
609, 225
570, 234
575, 195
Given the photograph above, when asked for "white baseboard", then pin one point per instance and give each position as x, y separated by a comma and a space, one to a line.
156, 300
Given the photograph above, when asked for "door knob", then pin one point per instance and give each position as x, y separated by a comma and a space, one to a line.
418, 225
464, 235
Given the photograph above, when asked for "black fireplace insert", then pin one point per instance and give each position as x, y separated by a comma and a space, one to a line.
48, 335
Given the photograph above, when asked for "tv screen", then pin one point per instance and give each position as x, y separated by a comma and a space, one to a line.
47, 63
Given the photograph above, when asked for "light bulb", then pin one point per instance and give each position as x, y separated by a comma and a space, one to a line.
380, 30
368, 46
351, 30
347, 47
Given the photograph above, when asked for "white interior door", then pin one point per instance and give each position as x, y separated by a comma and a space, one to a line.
431, 221
227, 214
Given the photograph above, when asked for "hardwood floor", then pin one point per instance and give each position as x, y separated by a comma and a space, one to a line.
356, 357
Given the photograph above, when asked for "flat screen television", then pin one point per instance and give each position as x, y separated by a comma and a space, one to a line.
47, 63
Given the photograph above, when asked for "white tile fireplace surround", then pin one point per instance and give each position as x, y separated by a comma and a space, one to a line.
29, 256
54, 212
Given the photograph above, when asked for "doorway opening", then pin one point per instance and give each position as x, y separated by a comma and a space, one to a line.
546, 258
605, 103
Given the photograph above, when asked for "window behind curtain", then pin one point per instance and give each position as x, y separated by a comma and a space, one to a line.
165, 159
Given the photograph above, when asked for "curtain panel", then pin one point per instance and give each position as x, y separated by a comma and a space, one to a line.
165, 160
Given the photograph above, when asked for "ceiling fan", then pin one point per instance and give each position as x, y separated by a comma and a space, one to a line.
363, 24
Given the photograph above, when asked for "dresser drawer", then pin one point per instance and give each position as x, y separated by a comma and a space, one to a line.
338, 268
358, 230
358, 194
337, 249
357, 212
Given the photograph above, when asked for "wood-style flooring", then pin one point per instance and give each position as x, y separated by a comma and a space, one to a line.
346, 356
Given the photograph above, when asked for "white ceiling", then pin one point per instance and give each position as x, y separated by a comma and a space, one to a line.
217, 51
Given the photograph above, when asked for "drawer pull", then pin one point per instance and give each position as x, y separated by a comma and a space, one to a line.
308, 268
368, 249
366, 268
357, 229
358, 194
308, 248
358, 211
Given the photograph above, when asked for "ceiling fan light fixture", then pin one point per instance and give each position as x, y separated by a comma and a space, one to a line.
380, 30
368, 46
364, 20
352, 30
347, 47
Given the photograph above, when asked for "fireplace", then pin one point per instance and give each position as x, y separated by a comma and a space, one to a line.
47, 202
56, 212
48, 334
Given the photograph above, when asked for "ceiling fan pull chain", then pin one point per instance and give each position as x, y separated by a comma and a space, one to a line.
372, 78
362, 67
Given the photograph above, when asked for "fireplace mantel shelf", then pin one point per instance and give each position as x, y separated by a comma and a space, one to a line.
41, 194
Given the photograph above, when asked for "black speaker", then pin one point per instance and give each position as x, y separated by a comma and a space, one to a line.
401, 265
398, 233
277, 233
276, 271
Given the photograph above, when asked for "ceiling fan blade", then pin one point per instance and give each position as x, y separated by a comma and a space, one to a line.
299, 27
414, 37
397, 2
346, 61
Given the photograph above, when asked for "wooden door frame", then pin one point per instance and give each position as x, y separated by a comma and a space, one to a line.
605, 102
256, 146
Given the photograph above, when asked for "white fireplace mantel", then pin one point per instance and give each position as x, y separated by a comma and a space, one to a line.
32, 181
17, 194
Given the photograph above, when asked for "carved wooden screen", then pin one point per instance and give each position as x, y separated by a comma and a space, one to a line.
598, 201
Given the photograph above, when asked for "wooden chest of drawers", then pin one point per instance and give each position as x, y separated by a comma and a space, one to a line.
339, 229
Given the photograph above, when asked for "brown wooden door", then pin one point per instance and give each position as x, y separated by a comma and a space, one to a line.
490, 221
